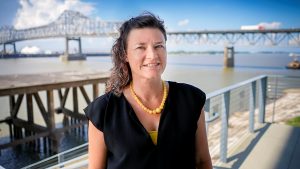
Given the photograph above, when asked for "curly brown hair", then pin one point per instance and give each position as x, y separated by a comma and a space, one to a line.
121, 74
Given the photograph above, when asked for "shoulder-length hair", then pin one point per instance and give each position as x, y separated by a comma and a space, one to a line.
121, 74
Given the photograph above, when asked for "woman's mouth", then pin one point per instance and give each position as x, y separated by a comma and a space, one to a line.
151, 65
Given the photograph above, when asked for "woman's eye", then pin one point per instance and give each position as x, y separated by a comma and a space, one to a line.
140, 47
159, 46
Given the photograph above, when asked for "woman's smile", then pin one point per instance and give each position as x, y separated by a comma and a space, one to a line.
151, 65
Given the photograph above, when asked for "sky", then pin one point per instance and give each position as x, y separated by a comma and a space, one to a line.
179, 15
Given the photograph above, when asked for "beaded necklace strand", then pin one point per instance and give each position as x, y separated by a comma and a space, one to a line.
146, 109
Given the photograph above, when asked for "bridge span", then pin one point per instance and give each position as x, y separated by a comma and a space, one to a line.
274, 37
73, 25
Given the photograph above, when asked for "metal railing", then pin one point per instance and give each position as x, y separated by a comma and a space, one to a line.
236, 98
60, 158
239, 107
248, 98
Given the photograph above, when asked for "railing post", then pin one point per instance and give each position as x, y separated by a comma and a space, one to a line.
207, 113
262, 99
224, 129
60, 159
252, 101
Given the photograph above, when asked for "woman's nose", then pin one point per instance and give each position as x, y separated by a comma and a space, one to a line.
151, 53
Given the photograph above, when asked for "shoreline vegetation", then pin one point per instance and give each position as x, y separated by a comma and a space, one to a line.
295, 122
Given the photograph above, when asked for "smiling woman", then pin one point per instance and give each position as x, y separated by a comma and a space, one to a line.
146, 53
143, 121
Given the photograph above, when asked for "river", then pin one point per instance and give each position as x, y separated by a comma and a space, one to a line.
202, 70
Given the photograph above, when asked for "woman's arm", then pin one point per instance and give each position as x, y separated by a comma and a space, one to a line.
97, 148
203, 159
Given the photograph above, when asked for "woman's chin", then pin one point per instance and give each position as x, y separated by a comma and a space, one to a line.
153, 76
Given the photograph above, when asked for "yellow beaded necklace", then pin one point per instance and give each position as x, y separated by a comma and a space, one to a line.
156, 110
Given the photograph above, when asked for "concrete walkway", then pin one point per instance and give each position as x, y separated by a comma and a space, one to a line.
279, 148
274, 146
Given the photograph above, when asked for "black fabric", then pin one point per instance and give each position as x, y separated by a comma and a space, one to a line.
129, 144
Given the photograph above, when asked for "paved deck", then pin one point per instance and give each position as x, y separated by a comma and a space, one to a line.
273, 146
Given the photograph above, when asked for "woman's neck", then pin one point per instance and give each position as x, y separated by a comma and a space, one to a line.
148, 90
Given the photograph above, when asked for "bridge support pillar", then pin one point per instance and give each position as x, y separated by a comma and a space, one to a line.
74, 39
67, 46
229, 56
10, 43
76, 56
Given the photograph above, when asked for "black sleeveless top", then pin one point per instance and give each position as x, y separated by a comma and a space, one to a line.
128, 143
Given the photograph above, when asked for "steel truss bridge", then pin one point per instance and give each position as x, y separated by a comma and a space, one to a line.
74, 25
68, 24
270, 37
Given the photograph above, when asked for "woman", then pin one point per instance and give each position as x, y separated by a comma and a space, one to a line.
142, 121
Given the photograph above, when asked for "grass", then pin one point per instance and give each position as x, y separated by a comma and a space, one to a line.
294, 122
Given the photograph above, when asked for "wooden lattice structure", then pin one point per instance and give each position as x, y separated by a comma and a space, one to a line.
19, 87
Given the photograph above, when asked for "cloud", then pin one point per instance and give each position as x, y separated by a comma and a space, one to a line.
30, 50
272, 25
34, 13
183, 22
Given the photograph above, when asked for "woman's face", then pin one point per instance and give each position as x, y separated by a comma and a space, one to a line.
146, 53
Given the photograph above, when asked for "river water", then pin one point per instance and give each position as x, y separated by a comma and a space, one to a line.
202, 70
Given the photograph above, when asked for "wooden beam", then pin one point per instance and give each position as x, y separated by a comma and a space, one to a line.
75, 100
49, 86
73, 114
42, 108
28, 126
24, 140
29, 108
86, 97
16, 108
95, 90
7, 120
12, 103
50, 105
79, 124
64, 99
39, 135
60, 96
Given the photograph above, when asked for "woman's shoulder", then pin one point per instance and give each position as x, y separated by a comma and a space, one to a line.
101, 100
188, 97
186, 88
96, 110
